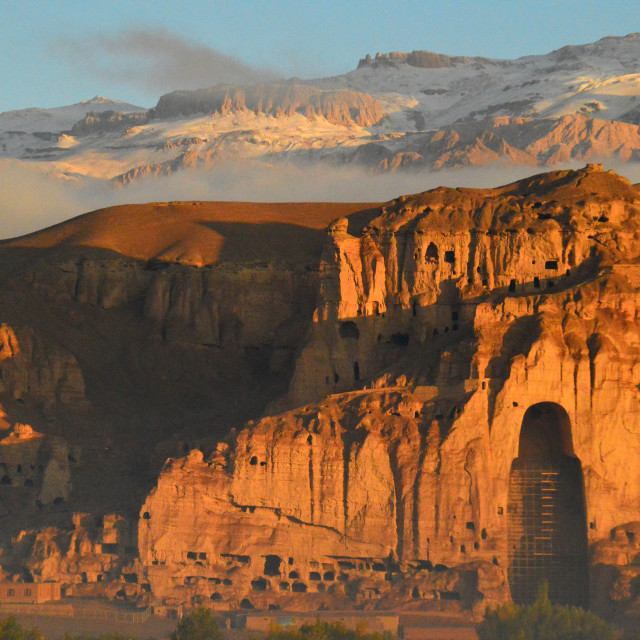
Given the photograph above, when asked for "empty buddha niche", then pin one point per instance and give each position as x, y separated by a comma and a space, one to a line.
546, 511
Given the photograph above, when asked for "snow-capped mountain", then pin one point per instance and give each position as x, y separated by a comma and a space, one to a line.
417, 110
59, 118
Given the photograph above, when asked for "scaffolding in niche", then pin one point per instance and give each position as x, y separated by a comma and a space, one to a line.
547, 533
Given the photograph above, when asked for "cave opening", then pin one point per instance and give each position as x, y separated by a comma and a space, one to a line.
546, 516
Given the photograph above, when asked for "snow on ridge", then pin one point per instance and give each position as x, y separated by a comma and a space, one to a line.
58, 119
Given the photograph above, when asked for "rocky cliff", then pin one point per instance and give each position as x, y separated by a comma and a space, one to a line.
339, 106
430, 402
483, 139
125, 335
468, 346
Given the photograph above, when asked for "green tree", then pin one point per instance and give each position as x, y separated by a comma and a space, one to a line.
320, 630
11, 630
543, 621
198, 625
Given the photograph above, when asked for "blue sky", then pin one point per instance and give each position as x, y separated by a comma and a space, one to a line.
56, 52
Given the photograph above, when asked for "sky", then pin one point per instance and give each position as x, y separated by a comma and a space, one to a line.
58, 52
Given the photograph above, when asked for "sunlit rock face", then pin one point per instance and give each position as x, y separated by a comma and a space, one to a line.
467, 345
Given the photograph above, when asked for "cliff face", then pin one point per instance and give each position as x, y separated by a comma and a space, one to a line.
467, 343
125, 335
339, 106
497, 133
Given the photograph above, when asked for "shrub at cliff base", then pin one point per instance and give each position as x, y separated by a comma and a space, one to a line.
544, 621
326, 631
198, 625
103, 636
11, 630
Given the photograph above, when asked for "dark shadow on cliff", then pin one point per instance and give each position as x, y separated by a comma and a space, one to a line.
267, 242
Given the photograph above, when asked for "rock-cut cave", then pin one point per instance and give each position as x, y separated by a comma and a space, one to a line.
546, 511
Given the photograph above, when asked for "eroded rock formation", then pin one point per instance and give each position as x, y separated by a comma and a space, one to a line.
339, 106
459, 364
467, 346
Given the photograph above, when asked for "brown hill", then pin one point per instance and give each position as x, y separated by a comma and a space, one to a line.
198, 233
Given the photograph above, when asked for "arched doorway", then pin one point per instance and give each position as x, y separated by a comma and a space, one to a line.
546, 511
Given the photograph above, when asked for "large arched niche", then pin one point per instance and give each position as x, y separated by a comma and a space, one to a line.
546, 516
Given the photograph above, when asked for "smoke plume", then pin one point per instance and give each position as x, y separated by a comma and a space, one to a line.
158, 61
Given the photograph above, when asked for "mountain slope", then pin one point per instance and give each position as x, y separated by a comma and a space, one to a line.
420, 110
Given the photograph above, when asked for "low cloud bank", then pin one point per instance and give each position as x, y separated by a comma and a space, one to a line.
32, 199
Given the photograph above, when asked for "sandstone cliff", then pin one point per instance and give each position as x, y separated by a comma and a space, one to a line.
450, 326
129, 332
448, 356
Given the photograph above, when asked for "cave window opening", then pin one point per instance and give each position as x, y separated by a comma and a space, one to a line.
356, 371
450, 257
485, 282
253, 461
336, 378
349, 330
546, 515
400, 339
536, 282
432, 253
299, 587
512, 286
454, 316
414, 309
551, 265
549, 284
272, 565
